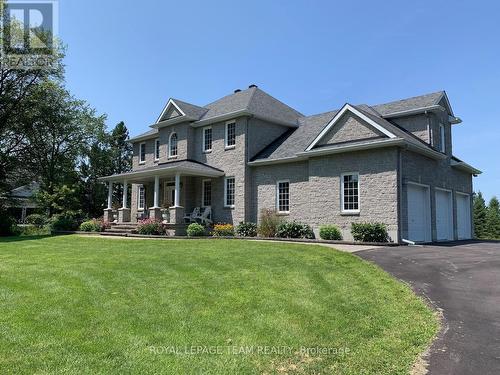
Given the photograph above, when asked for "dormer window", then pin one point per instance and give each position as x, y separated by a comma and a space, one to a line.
442, 138
172, 146
142, 153
230, 134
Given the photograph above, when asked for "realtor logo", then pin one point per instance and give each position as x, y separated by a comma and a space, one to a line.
29, 29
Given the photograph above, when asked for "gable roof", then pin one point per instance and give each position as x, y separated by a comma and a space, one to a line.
312, 128
414, 104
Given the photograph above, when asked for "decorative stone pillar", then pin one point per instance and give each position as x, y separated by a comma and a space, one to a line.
155, 213
177, 215
108, 215
124, 215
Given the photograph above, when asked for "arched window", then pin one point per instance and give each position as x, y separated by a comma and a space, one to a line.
172, 145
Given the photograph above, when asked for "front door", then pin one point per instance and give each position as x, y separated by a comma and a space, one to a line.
169, 194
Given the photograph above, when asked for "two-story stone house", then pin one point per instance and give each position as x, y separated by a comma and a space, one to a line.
389, 163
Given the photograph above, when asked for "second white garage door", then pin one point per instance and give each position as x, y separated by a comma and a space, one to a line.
463, 216
444, 215
419, 213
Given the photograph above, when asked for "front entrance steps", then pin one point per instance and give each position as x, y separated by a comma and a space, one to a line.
122, 228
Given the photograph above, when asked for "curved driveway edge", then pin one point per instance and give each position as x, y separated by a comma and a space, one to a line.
462, 279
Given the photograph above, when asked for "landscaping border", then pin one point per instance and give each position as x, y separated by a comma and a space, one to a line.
132, 235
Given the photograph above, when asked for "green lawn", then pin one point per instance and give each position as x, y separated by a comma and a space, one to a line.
72, 304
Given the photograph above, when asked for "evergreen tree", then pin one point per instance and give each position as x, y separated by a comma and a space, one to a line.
479, 206
493, 219
121, 154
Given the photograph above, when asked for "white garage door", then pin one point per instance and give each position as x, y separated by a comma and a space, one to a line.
463, 217
444, 215
419, 213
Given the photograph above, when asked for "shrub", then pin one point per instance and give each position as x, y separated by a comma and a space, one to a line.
7, 225
369, 232
37, 220
68, 221
269, 221
32, 230
294, 229
330, 232
223, 230
151, 227
93, 225
195, 230
246, 229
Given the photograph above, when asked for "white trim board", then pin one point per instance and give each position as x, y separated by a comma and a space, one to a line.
345, 108
170, 102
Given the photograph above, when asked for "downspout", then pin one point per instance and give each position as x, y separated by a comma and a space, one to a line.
400, 195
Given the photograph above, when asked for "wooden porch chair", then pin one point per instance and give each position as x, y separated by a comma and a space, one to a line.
191, 218
205, 217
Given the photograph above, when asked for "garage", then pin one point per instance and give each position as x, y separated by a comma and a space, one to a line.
419, 213
444, 215
463, 217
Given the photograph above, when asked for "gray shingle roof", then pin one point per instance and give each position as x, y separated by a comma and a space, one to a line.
191, 110
422, 101
147, 134
255, 101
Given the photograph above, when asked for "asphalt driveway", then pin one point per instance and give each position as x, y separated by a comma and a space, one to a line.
462, 279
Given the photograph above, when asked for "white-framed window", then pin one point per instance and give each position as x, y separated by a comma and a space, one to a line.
207, 139
141, 197
172, 146
206, 193
350, 192
283, 197
442, 138
142, 152
230, 139
157, 149
229, 189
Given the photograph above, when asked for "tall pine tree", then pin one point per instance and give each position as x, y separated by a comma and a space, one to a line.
480, 211
121, 154
493, 219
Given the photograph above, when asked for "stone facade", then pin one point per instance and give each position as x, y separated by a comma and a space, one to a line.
315, 185
349, 128
315, 181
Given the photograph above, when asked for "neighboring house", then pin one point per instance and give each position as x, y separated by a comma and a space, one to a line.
389, 163
20, 202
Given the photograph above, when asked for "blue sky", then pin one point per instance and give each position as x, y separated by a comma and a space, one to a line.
126, 58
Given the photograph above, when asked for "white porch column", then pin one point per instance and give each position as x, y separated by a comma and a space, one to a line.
156, 201
125, 192
177, 189
110, 195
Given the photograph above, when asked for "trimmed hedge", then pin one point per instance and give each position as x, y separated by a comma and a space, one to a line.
93, 225
68, 221
369, 232
246, 229
330, 232
294, 229
195, 230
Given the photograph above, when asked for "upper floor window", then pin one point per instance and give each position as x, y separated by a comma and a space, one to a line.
142, 153
230, 134
206, 193
350, 192
283, 196
207, 139
141, 198
157, 149
172, 145
229, 190
442, 138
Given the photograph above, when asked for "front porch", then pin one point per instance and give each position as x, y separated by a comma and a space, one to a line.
166, 193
